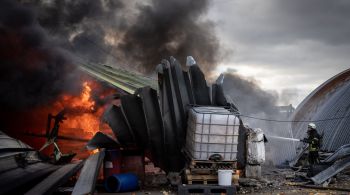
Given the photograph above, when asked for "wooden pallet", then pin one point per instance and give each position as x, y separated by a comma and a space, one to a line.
205, 171
210, 167
201, 179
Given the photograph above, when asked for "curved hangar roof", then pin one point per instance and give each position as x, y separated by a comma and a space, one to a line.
331, 100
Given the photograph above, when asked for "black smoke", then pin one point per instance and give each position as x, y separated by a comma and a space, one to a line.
248, 95
82, 26
171, 28
135, 34
33, 70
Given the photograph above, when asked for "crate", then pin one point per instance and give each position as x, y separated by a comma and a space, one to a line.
212, 130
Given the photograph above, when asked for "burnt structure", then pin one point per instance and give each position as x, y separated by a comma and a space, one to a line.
159, 125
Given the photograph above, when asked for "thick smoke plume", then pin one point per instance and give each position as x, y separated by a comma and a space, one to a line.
33, 70
135, 34
248, 96
171, 28
41, 40
255, 102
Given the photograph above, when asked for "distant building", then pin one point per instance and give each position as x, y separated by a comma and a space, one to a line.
286, 111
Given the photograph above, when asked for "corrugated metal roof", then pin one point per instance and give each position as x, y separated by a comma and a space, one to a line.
329, 100
123, 79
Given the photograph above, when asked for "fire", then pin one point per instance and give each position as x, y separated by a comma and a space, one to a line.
94, 151
82, 111
84, 114
83, 102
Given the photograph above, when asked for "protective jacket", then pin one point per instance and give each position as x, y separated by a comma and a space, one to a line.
314, 140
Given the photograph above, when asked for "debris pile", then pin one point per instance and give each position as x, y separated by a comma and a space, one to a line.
159, 125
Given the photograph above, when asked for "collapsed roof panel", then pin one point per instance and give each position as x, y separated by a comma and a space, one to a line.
88, 175
101, 140
133, 112
218, 97
180, 87
172, 101
188, 87
159, 126
119, 78
13, 181
337, 167
199, 85
154, 123
170, 116
11, 145
56, 179
116, 120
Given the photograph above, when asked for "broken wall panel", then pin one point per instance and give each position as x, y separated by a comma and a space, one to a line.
173, 105
14, 181
339, 153
189, 87
180, 89
101, 140
56, 179
133, 112
331, 171
218, 96
9, 144
154, 123
116, 120
173, 158
199, 85
88, 175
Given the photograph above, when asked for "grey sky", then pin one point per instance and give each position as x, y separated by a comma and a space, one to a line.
291, 46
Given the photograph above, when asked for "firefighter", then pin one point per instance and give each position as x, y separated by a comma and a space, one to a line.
314, 141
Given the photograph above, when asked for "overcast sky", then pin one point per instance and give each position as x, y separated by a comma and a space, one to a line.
291, 46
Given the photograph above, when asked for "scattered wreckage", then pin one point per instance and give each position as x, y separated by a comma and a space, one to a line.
152, 118
329, 166
183, 126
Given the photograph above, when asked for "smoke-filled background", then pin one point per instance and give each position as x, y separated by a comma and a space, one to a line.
134, 34
33, 69
258, 107
42, 42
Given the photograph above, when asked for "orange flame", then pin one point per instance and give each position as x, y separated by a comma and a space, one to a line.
94, 151
82, 110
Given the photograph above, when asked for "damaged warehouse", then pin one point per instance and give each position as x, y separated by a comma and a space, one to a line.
93, 101
190, 142
142, 123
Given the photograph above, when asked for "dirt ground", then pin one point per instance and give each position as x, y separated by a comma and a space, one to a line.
275, 181
286, 181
